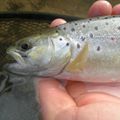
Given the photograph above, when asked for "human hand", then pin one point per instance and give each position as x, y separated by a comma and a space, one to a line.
72, 102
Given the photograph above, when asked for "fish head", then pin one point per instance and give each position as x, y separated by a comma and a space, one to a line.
39, 55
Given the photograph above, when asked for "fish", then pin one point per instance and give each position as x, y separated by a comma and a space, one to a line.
85, 50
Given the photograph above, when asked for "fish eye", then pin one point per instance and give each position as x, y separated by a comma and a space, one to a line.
25, 46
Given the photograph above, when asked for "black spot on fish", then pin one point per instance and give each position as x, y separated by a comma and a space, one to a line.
91, 35
98, 48
60, 39
82, 38
105, 17
83, 26
76, 24
90, 19
112, 38
119, 28
67, 44
73, 29
64, 28
96, 28
78, 45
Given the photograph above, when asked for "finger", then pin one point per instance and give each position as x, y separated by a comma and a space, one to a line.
75, 89
116, 10
57, 22
53, 98
100, 8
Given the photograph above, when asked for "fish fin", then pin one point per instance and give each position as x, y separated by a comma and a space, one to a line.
79, 62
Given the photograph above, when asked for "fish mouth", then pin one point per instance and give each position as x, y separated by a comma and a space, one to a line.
16, 55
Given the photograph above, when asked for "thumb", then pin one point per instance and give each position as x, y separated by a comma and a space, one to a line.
53, 98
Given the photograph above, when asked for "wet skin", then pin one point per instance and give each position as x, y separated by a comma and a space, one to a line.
73, 102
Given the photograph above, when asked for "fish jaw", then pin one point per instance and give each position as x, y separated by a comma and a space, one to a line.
20, 63
13, 53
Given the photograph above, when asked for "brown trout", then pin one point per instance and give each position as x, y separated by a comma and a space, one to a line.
85, 50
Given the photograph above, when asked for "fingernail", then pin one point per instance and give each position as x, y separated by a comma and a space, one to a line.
57, 22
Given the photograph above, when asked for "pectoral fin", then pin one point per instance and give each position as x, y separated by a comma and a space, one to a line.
79, 62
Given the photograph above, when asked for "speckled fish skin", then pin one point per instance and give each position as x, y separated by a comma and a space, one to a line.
102, 34
86, 50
